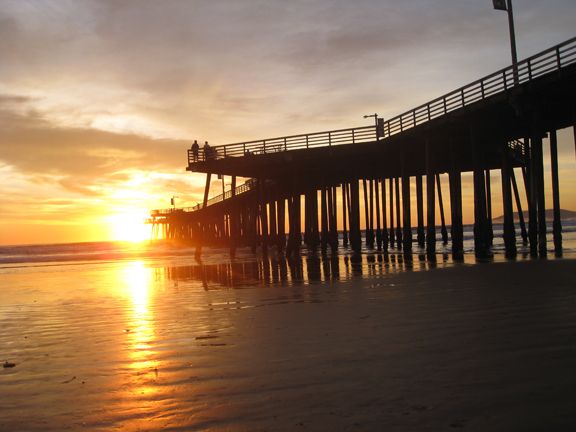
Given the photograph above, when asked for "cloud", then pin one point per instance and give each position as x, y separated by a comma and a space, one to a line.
226, 71
33, 145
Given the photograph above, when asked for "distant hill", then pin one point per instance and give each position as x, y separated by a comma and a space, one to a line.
565, 215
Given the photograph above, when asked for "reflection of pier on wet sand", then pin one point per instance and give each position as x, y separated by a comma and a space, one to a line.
299, 270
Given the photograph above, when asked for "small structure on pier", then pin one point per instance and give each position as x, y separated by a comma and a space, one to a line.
495, 123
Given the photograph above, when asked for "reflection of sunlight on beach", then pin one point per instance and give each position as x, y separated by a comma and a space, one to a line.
138, 278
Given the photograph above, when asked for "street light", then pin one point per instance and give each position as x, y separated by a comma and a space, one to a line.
506, 5
379, 123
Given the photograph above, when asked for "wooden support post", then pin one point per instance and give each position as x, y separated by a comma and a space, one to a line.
324, 219
443, 230
574, 135
273, 238
330, 207
529, 180
509, 230
281, 210
370, 241
457, 229
355, 239
406, 222
335, 204
309, 216
295, 235
233, 219
420, 236
291, 224
241, 226
263, 217
538, 164
481, 248
384, 224
399, 242
489, 227
297, 222
378, 215
430, 203
344, 214
332, 219
480, 239
307, 222
557, 223
349, 207
391, 194
521, 220
255, 224
366, 215
206, 190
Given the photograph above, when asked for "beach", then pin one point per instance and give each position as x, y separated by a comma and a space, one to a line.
130, 346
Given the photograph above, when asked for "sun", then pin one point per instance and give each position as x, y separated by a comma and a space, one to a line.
129, 225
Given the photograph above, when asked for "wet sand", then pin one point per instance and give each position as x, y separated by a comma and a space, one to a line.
124, 347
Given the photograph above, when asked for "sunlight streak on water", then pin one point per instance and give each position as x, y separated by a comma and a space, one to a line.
141, 333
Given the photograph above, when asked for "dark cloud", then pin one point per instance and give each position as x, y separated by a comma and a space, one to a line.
9, 101
33, 145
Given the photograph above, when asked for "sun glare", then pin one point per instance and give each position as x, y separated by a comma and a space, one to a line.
129, 226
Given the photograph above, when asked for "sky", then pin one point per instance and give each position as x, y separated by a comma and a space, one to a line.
99, 100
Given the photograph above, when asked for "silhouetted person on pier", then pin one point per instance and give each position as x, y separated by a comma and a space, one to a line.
207, 151
195, 150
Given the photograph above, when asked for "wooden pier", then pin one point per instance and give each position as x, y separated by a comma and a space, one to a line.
299, 187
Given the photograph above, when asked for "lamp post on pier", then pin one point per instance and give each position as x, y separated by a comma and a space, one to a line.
506, 5
379, 123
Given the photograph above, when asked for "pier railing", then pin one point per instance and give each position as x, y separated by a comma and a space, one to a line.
292, 142
545, 62
245, 187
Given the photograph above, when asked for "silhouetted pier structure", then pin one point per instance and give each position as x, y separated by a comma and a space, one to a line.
296, 182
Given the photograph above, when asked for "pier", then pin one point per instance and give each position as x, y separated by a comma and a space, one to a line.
308, 188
